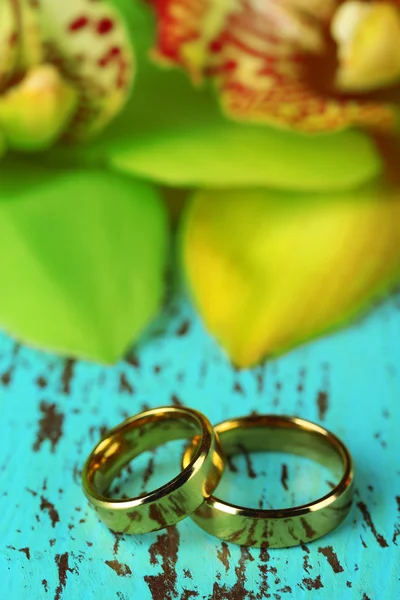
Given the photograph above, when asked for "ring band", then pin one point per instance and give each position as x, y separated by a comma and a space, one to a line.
173, 501
283, 527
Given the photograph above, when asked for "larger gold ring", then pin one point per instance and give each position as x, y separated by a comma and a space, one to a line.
171, 502
284, 527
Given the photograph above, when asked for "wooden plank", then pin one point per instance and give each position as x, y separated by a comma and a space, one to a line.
52, 412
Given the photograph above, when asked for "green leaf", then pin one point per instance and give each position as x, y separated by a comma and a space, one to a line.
83, 259
175, 133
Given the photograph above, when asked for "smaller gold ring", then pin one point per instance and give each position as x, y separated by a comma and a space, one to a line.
279, 528
173, 501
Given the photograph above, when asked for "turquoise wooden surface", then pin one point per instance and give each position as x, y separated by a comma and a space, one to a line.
52, 412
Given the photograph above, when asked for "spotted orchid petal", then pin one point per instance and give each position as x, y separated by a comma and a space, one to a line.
188, 30
261, 54
90, 45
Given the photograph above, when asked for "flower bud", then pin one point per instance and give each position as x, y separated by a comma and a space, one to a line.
269, 270
35, 112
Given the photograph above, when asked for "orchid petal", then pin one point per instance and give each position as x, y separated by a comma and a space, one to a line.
84, 256
269, 270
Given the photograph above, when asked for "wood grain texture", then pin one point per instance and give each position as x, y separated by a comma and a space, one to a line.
52, 412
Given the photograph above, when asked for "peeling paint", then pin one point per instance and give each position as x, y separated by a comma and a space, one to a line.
50, 426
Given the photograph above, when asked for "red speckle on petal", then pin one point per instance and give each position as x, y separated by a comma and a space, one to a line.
111, 56
215, 46
105, 26
78, 24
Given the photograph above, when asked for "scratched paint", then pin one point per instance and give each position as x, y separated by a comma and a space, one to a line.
53, 411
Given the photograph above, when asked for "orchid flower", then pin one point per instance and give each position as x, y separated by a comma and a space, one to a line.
311, 65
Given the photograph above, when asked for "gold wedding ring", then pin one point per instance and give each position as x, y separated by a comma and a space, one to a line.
174, 500
281, 527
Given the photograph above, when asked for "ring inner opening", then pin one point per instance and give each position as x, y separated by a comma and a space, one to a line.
132, 439
290, 467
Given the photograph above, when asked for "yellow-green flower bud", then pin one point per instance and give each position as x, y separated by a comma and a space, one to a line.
34, 113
